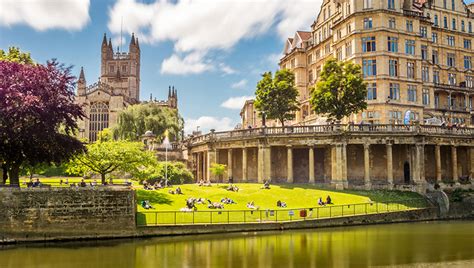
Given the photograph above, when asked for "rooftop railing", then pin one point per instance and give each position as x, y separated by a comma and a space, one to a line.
333, 129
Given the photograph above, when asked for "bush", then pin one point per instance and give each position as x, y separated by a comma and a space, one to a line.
177, 173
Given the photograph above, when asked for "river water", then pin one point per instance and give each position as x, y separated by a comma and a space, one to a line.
424, 244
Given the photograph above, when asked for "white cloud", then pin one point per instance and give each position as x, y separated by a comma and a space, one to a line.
236, 103
206, 25
206, 123
190, 64
274, 59
241, 84
226, 69
45, 14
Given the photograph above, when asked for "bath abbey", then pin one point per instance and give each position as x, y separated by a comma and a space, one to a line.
416, 58
118, 87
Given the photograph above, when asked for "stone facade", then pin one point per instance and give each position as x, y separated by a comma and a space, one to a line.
339, 156
416, 57
40, 213
117, 88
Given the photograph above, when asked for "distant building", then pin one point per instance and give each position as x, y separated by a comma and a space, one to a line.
117, 88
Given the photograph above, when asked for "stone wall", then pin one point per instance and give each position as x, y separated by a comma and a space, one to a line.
42, 214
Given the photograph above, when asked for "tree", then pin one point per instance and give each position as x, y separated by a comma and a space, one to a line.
218, 170
15, 55
340, 90
277, 96
105, 157
177, 173
38, 115
137, 119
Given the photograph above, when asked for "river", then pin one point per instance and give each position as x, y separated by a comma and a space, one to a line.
423, 244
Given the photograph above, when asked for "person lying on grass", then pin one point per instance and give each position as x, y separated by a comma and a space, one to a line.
281, 204
226, 200
232, 188
251, 205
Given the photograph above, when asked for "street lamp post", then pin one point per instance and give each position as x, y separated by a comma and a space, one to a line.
166, 144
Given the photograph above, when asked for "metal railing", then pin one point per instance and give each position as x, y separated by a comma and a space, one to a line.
331, 129
156, 218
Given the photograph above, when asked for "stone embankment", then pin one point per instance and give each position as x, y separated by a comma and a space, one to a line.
64, 214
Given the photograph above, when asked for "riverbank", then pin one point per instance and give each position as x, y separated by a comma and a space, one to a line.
89, 214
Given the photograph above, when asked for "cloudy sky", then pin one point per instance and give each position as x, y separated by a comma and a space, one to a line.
212, 51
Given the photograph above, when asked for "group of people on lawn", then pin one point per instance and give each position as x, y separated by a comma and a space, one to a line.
191, 202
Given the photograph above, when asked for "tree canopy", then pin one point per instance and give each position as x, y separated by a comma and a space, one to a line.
340, 90
38, 115
15, 55
134, 121
277, 96
218, 169
105, 157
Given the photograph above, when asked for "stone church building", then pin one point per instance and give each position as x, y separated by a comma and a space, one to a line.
117, 88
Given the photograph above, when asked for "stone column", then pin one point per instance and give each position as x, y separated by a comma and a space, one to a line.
471, 161
267, 163
229, 164
244, 165
260, 166
204, 165
198, 166
211, 159
454, 158
438, 162
344, 164
367, 166
311, 164
389, 166
289, 163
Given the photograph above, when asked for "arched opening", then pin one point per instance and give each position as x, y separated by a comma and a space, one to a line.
406, 172
98, 120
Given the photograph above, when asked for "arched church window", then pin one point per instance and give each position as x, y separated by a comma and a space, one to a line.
99, 119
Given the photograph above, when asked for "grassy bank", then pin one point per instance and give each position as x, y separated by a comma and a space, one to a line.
294, 195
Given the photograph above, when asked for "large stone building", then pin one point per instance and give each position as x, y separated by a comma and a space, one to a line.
416, 56
117, 88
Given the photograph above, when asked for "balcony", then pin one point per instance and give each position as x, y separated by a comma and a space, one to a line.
453, 108
415, 14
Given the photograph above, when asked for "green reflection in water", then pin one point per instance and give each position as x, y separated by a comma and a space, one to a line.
378, 245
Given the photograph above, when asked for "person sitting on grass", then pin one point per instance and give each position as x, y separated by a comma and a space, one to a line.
60, 182
266, 184
178, 190
328, 200
281, 204
320, 201
36, 183
146, 204
201, 182
83, 183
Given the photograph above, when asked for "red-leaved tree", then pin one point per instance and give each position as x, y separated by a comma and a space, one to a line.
37, 115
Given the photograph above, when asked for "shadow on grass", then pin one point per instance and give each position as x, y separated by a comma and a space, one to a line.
154, 197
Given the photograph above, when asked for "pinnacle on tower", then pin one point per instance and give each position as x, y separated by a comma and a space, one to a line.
81, 75
110, 44
138, 44
132, 41
169, 92
104, 40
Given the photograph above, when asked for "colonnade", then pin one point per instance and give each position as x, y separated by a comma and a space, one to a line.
410, 157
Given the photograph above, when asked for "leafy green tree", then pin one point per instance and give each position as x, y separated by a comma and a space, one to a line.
137, 119
15, 55
277, 96
218, 170
108, 156
340, 90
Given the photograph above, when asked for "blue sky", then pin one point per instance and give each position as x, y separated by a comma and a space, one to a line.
212, 51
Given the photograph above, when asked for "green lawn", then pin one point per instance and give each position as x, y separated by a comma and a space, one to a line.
296, 196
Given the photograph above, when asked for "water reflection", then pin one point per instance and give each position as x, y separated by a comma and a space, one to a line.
397, 244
